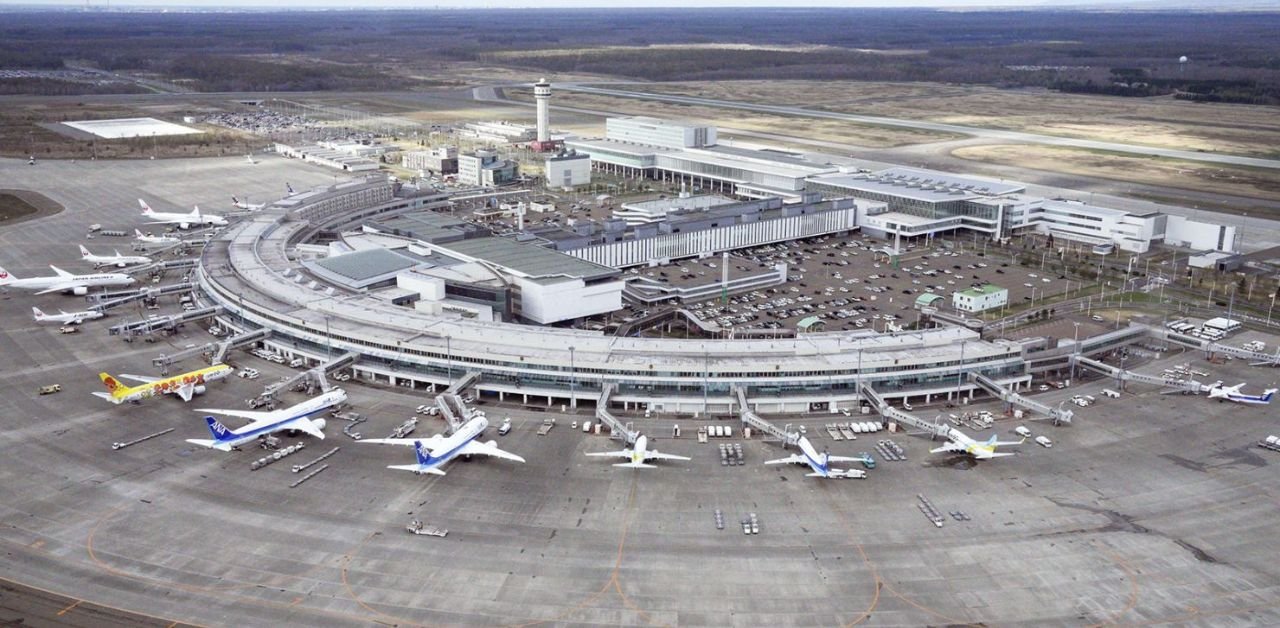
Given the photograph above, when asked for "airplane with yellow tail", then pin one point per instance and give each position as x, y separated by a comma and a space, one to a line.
185, 385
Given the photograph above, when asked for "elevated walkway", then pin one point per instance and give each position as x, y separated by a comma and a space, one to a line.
218, 350
152, 325
469, 378
889, 412
617, 429
312, 378
1122, 376
103, 301
452, 409
1059, 415
754, 421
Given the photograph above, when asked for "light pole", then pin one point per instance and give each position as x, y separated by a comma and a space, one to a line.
1271, 307
1075, 348
573, 378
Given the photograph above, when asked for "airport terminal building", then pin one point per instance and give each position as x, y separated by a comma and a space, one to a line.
251, 270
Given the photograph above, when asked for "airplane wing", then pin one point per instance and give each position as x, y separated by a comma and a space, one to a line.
635, 465
994, 455
429, 443
611, 454
60, 287
256, 417
793, 459
140, 378
186, 391
304, 424
413, 467
657, 455
488, 449
949, 447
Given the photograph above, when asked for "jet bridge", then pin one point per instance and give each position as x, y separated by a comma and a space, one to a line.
1122, 376
467, 380
104, 301
1256, 358
751, 419
617, 429
889, 412
157, 323
314, 377
218, 350
452, 409
1059, 415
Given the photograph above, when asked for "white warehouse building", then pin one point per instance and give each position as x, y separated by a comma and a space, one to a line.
568, 170
980, 299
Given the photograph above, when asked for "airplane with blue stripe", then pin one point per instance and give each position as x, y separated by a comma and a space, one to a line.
1232, 393
297, 417
821, 463
434, 452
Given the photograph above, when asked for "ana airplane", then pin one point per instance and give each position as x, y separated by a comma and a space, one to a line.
117, 260
63, 281
1232, 393
297, 417
155, 239
65, 318
961, 443
638, 455
184, 221
246, 205
289, 189
186, 385
820, 463
435, 451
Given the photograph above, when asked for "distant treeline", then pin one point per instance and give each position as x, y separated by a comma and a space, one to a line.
271, 50
1138, 82
53, 87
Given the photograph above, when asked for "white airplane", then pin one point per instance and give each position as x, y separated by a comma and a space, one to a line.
297, 417
154, 239
435, 451
184, 221
638, 455
1232, 393
961, 443
251, 161
820, 463
63, 281
117, 260
253, 207
65, 318
289, 189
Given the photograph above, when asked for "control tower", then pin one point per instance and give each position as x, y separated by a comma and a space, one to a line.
542, 93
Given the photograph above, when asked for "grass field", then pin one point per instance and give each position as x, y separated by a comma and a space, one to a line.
1170, 173
864, 135
1163, 122
19, 205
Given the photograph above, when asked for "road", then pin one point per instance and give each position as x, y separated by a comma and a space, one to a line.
1015, 136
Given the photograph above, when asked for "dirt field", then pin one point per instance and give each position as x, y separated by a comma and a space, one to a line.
1253, 183
868, 136
21, 135
1164, 122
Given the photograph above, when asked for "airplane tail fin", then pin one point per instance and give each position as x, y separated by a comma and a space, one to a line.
137, 233
420, 450
220, 432
146, 209
992, 441
114, 387
289, 188
36, 313
1266, 395
5, 277
235, 201
83, 251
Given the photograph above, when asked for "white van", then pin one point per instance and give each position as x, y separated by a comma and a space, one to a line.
1022, 431
1107, 392
1044, 441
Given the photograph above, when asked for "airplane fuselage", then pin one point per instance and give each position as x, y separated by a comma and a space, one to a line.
450, 446
172, 384
305, 410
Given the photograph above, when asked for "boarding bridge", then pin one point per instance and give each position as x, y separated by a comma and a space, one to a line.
617, 429
315, 377
753, 420
1059, 415
217, 349
889, 412
469, 378
104, 301
1122, 376
152, 325
452, 409
1209, 347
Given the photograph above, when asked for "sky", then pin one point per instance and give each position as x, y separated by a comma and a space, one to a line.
496, 4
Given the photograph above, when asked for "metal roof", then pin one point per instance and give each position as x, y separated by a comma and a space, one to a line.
981, 290
366, 265
528, 259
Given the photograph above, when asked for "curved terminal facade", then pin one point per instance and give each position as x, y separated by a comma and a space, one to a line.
251, 270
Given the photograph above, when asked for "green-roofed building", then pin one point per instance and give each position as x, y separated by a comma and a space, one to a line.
927, 299
811, 323
980, 299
